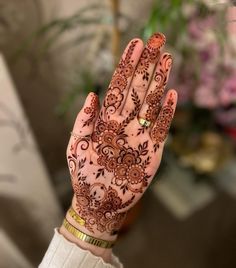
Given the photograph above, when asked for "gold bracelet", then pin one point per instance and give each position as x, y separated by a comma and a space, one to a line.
76, 217
87, 238
81, 221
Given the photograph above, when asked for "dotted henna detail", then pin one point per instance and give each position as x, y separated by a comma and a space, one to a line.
161, 74
126, 164
156, 41
91, 110
150, 54
72, 158
153, 99
103, 204
114, 155
95, 203
119, 81
160, 129
108, 171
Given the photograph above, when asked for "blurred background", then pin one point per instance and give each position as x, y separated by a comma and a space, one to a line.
52, 53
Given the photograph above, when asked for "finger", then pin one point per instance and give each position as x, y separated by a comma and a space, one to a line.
160, 129
144, 71
84, 123
152, 101
118, 88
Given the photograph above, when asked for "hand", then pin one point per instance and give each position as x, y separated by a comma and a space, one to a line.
114, 153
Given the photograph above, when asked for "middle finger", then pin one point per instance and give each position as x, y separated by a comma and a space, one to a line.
143, 73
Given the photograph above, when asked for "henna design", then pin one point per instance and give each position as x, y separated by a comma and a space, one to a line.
73, 163
160, 129
127, 166
91, 110
117, 157
141, 130
153, 99
109, 170
103, 204
119, 81
150, 54
134, 113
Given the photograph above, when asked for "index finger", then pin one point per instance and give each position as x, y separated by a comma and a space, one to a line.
121, 79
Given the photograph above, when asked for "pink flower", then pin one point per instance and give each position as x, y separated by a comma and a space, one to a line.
227, 93
184, 93
198, 27
210, 52
205, 97
226, 117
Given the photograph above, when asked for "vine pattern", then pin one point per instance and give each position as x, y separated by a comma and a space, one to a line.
153, 98
91, 110
160, 130
150, 55
120, 170
119, 82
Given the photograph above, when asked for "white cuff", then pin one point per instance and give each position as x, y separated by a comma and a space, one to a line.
63, 253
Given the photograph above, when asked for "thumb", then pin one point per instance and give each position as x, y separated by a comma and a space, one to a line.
85, 120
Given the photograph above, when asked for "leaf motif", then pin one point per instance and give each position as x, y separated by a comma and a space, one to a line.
145, 145
140, 148
141, 130
144, 152
137, 105
156, 147
81, 163
100, 172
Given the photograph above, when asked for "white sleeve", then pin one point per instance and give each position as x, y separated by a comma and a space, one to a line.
62, 253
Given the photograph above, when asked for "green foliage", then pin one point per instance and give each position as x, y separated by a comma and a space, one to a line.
165, 16
46, 36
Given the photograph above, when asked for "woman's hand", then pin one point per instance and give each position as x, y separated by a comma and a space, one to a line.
115, 151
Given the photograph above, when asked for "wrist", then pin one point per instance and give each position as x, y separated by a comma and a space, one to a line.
80, 224
105, 253
102, 223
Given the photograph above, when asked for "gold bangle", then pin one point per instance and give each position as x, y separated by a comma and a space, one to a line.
87, 238
76, 217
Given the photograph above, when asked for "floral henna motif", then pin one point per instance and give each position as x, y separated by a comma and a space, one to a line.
160, 130
109, 170
119, 81
95, 203
156, 41
153, 99
151, 54
115, 156
91, 110
161, 75
73, 163
103, 204
99, 205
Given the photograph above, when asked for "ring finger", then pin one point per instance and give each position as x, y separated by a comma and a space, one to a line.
152, 101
